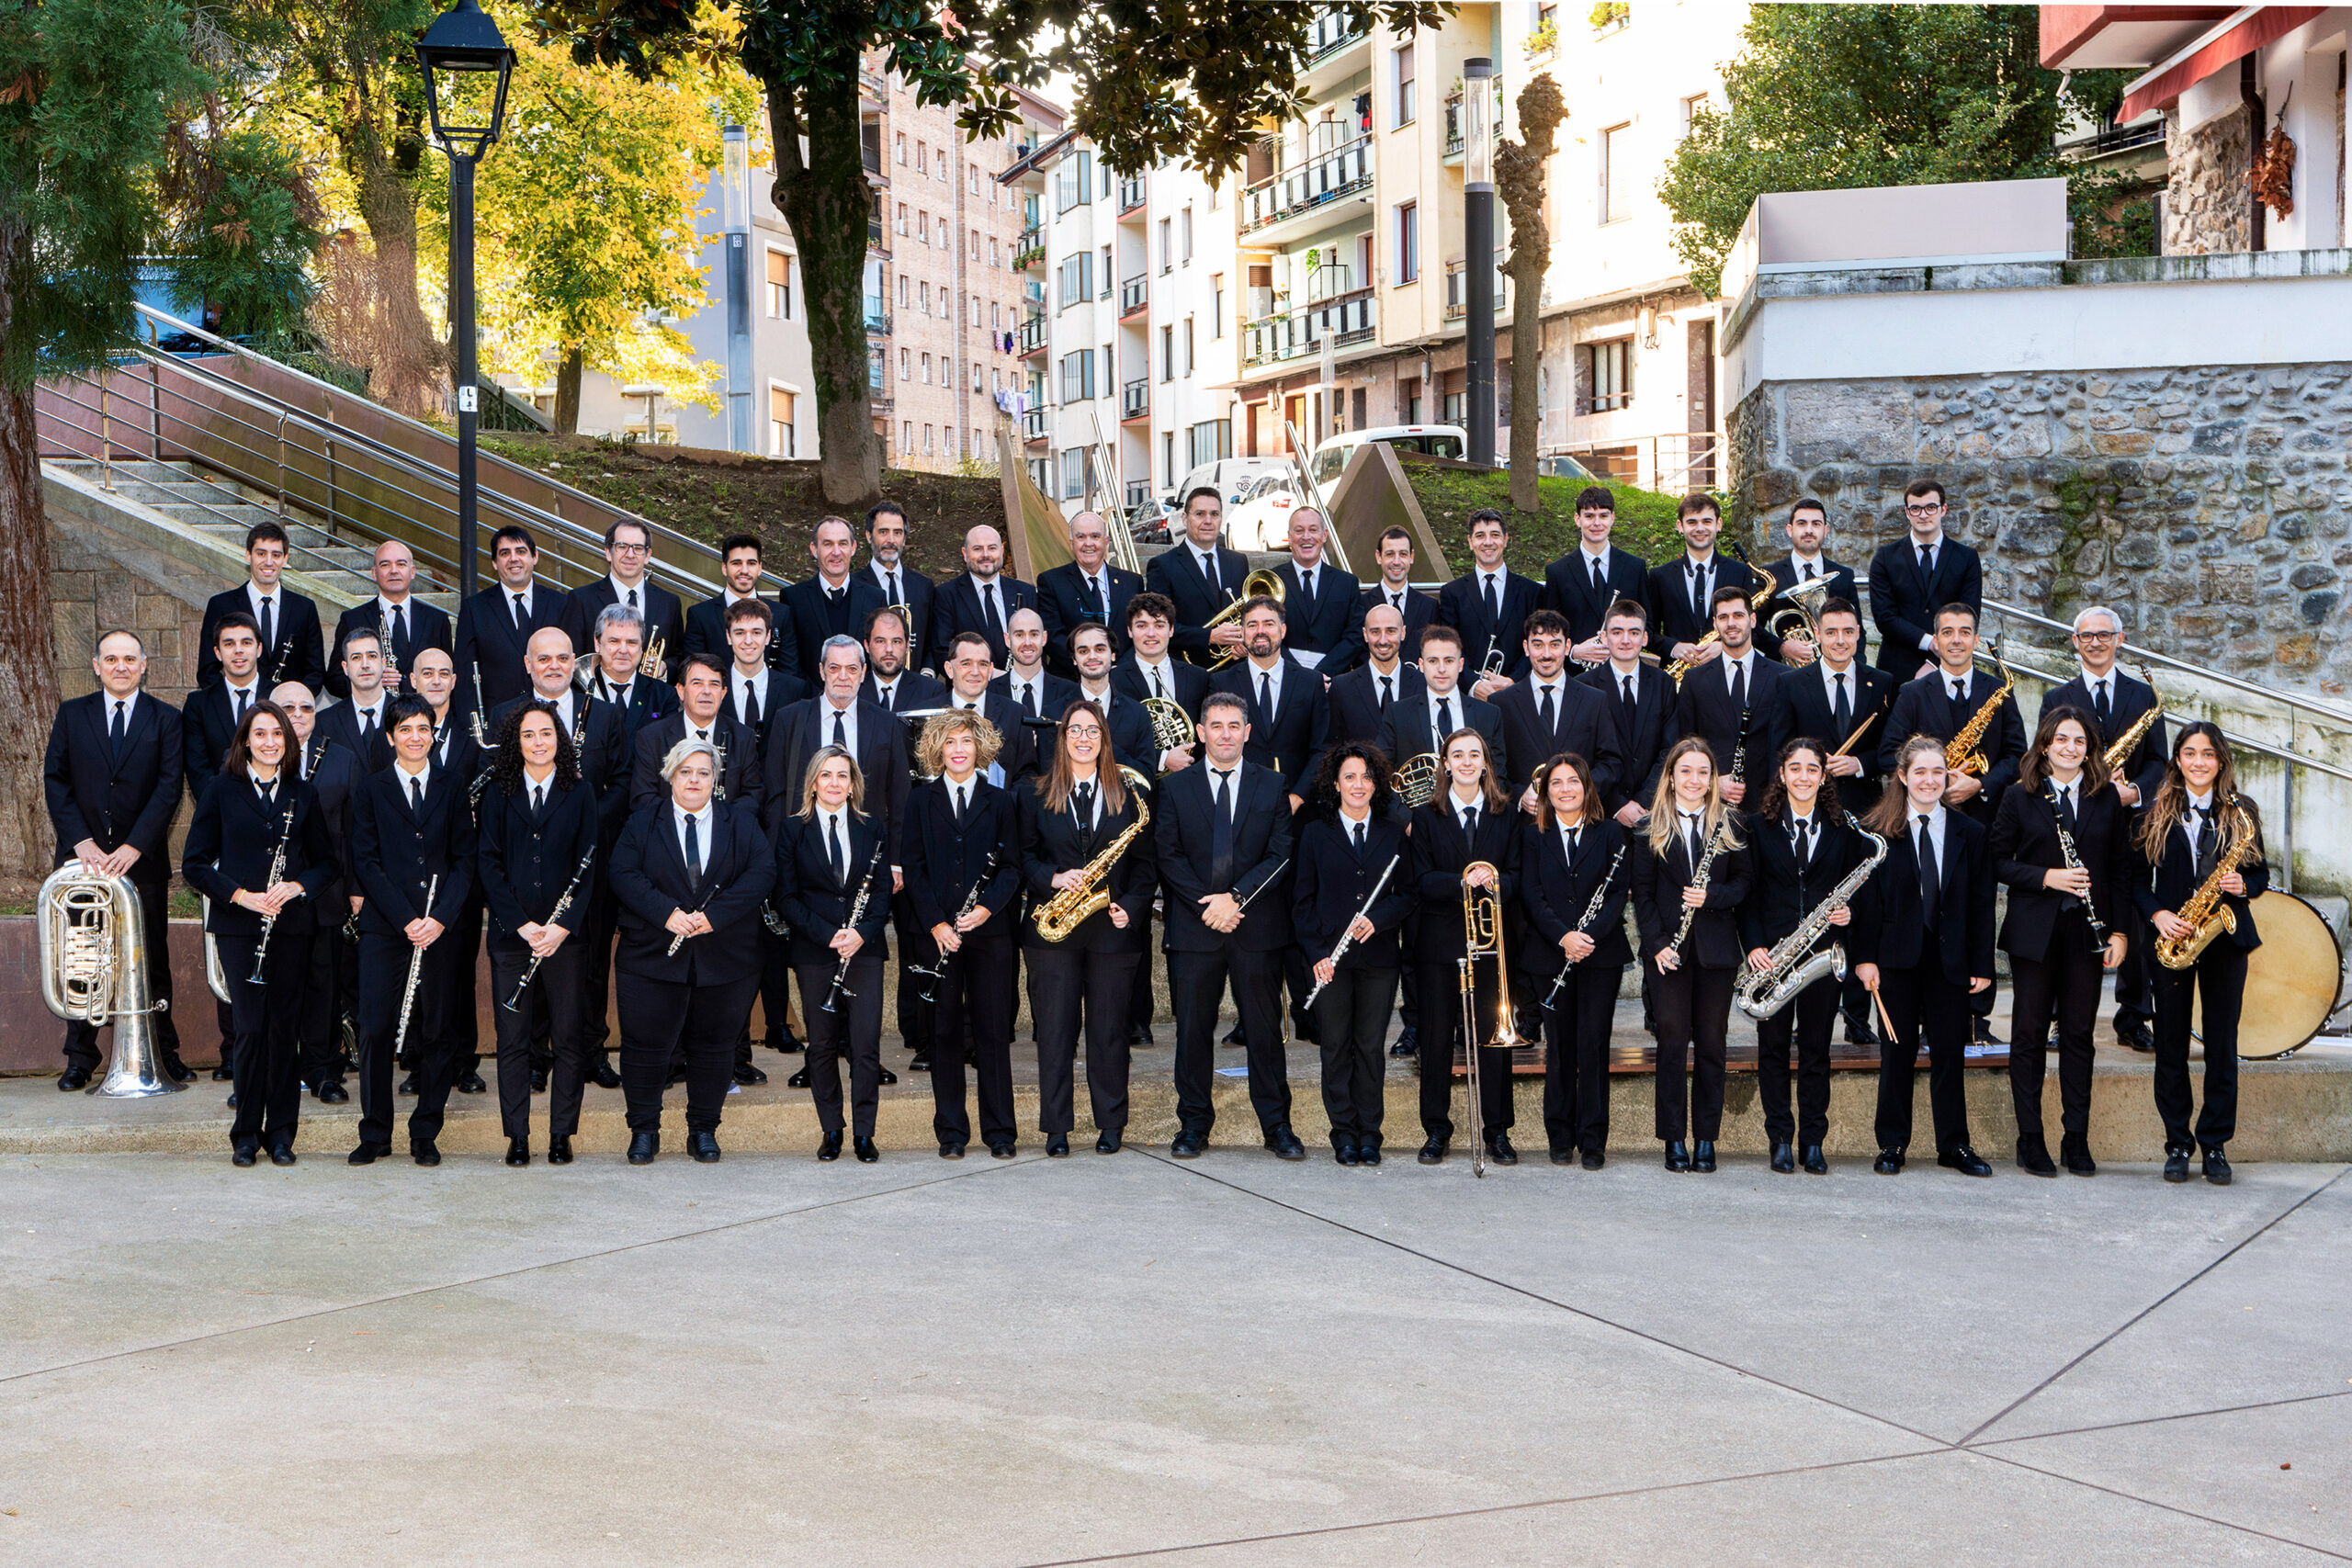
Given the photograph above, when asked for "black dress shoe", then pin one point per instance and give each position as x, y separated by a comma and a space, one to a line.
471, 1082
797, 1080
1702, 1157
331, 1092
1058, 1146
1232, 1036
1678, 1154
1964, 1160
2076, 1157
1814, 1162
423, 1153
73, 1079
368, 1154
177, 1070
1564, 1157
1286, 1143
1784, 1159
220, 1074
539, 1080
2033, 1158
1858, 1030
2134, 1034
747, 1073
407, 1085
1409, 1044
951, 1151
1593, 1159
2176, 1165
704, 1146
1367, 1153
643, 1146
1983, 1034
1432, 1152
888, 1076
602, 1075
281, 1152
1344, 1153
1889, 1162
231, 1102
865, 1150
829, 1147
788, 1044
1139, 1035
244, 1155
559, 1151
918, 1063
1000, 1151
1188, 1144
518, 1151
1107, 1142
2217, 1169
1499, 1149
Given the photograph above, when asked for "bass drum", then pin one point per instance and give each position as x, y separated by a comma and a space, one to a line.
2291, 980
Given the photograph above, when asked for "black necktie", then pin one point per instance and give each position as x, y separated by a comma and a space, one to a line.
752, 704
121, 727
894, 587
1958, 700
1469, 821
1930, 879
522, 616
1494, 604
1359, 837
1445, 719
841, 857
244, 696
1842, 712
1739, 684
1084, 808
1221, 832
693, 853
1803, 829
1926, 562
957, 794
268, 788
1266, 696
1095, 597
400, 626
1396, 603
1631, 705
1546, 713
994, 622
1572, 837
1306, 585
367, 728
882, 695
1600, 582
632, 604
840, 732
416, 795
538, 798
2101, 706
1698, 591
2204, 839
1698, 846
1804, 571
1208, 574
1387, 692
1029, 697
269, 625
2066, 808
1157, 689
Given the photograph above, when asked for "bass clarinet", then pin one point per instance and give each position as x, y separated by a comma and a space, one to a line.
1347, 935
514, 1002
1584, 923
840, 986
277, 871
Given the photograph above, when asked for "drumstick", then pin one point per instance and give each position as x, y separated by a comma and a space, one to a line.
1883, 1017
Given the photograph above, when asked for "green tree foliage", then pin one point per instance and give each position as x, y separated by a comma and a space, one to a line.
245, 228
1836, 98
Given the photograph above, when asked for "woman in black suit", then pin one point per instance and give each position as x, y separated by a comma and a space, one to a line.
829, 855
1469, 822
962, 849
255, 807
690, 874
1567, 855
2064, 925
1803, 846
2197, 816
1355, 834
1692, 980
537, 854
1069, 814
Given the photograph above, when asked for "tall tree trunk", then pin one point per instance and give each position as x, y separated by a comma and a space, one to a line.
420, 359
827, 203
27, 674
1519, 180
567, 371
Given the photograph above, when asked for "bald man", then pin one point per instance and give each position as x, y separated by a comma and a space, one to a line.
406, 622
982, 599
1087, 588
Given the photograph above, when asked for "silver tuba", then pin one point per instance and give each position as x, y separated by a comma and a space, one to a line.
94, 971
1789, 968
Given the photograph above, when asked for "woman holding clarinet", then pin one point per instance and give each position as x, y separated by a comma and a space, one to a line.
1572, 889
834, 889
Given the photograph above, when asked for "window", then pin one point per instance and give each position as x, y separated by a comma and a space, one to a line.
1167, 353
943, 166
995, 315
1188, 345
1185, 236
1404, 86
922, 297
1216, 305
1408, 243
903, 287
906, 436
975, 309
1107, 272
976, 244
992, 253
923, 227
779, 285
1609, 374
1212, 441
1073, 182
926, 369
1168, 456
1078, 278
1166, 225
922, 159
781, 439
926, 441
1693, 108
906, 364
1078, 376
946, 242
1073, 473
1616, 185
902, 217
902, 147
1409, 394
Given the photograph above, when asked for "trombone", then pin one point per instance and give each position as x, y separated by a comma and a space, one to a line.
1259, 584
1482, 936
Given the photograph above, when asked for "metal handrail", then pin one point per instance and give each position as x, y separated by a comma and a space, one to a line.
2140, 652
2247, 742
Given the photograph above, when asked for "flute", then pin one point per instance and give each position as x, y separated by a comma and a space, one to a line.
415, 973
1347, 935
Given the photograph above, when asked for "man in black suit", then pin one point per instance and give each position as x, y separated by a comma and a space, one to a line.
356, 725
1729, 701
886, 568
495, 624
1416, 727
1489, 605
615, 673
891, 683
209, 716
1682, 591
1361, 698
703, 715
982, 599
1395, 589
1036, 690
707, 622
1582, 584
635, 700
403, 622
1322, 606
1548, 713
111, 779
1807, 561
1087, 588
594, 726
1641, 704
1149, 670
970, 670
1134, 741
628, 550
836, 716
1913, 577
757, 690
834, 602
1222, 832
1201, 577
293, 648
332, 992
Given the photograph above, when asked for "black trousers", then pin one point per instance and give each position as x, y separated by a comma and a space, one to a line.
1352, 1015
775, 994
1062, 984
2219, 981
2134, 977
551, 1007
1440, 1031
463, 1015
918, 1019
1805, 1021
976, 1002
604, 923
268, 1037
852, 1030
383, 975
1921, 1001
1693, 1006
1196, 984
2064, 981
659, 1016
1576, 1055
155, 924
322, 996
1139, 999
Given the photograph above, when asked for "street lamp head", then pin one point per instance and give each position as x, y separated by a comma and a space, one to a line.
466, 67
735, 186
1478, 122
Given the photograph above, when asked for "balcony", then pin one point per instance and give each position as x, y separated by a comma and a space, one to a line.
1033, 426
1294, 203
1029, 250
1453, 128
1135, 399
1032, 336
1139, 493
1457, 289
1333, 46
877, 320
1133, 297
873, 239
1346, 319
1131, 195
873, 156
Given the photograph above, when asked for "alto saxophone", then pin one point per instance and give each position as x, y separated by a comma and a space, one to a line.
1072, 906
1792, 965
2120, 753
1964, 753
1678, 668
2205, 912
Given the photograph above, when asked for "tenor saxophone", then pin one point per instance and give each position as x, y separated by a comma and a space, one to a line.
2205, 910
1072, 906
1964, 752
1792, 965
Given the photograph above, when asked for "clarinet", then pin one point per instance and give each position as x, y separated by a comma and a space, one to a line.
514, 1002
480, 738
1591, 913
856, 912
1739, 749
971, 902
415, 973
1347, 936
2074, 862
1699, 880
277, 871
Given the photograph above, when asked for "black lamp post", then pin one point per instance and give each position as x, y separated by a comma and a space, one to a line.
464, 58
1478, 254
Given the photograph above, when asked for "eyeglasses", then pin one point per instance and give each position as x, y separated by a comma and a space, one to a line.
621, 549
1086, 732
1924, 508
2096, 637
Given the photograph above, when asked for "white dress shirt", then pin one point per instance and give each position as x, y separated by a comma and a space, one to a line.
757, 679
251, 689
825, 715
1258, 673
1935, 832
1853, 673
702, 821
1743, 665
2190, 823
1166, 672
1453, 699
642, 589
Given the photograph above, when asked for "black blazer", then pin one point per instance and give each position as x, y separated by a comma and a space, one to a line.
230, 841
1904, 607
915, 691
707, 633
426, 626
1800, 708
783, 691
297, 649
1176, 574
1780, 897
956, 607
740, 780
1188, 683
648, 700
1580, 722
1354, 700
1640, 742
1897, 937
1291, 740
2025, 844
1568, 588
1673, 618
332, 771
813, 901
1061, 604
942, 864
647, 876
1419, 609
526, 858
1133, 740
1183, 828
2131, 697
1462, 605
1052, 842
1553, 894
1409, 731
340, 725
1331, 882
665, 619
596, 742
1657, 883
2176, 879
1440, 851
490, 648
395, 853
1333, 624
803, 729
1054, 698
1784, 574
207, 724
131, 799
1924, 706
815, 616
1703, 708
916, 592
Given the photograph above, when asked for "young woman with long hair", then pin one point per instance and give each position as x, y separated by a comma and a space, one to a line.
1352, 833
827, 853
1572, 852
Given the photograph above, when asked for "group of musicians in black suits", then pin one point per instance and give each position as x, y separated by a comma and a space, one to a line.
702, 807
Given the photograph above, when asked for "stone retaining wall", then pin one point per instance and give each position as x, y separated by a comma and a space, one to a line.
2208, 207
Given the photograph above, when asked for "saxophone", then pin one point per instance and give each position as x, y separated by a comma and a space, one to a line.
1792, 965
2127, 742
1681, 667
1964, 752
1072, 906
2205, 910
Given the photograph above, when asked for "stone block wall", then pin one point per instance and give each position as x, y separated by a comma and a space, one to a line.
90, 591
2208, 209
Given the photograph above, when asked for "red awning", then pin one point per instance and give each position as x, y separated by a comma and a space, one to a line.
2165, 89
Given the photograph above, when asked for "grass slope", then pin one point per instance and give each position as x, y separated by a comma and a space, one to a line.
1448, 496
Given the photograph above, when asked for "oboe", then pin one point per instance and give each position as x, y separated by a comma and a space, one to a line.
514, 1002
415, 974
971, 902
2073, 862
1347, 935
856, 913
1591, 913
277, 871
1699, 880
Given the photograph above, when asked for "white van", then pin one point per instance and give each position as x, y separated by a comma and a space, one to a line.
1330, 458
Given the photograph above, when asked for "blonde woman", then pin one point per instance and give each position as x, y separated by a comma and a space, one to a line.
827, 853
1469, 822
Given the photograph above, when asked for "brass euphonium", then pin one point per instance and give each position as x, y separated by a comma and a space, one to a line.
1801, 619
1259, 584
1482, 937
94, 971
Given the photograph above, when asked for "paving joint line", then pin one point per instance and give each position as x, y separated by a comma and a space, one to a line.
2167, 1507
2159, 1420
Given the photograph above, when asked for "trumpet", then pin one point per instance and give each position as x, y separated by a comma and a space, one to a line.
1482, 935
1259, 584
653, 664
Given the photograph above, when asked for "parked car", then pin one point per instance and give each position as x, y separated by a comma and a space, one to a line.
1262, 522
1330, 459
1230, 476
